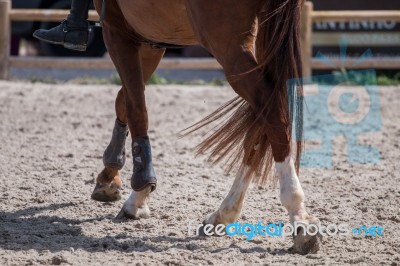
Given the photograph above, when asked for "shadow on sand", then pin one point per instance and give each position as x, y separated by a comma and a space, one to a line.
20, 231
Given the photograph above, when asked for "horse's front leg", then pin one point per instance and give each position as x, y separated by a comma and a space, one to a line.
135, 64
137, 205
292, 198
108, 183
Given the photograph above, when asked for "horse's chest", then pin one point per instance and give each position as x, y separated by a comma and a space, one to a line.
163, 21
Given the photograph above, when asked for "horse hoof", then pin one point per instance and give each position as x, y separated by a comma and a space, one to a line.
305, 244
210, 219
123, 215
106, 193
202, 230
135, 213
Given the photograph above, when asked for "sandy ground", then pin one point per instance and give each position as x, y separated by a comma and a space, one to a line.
52, 139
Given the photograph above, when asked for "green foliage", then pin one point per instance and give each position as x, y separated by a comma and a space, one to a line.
218, 82
116, 80
384, 80
47, 80
338, 76
352, 78
155, 79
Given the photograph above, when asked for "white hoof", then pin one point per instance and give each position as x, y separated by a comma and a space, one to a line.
133, 213
136, 206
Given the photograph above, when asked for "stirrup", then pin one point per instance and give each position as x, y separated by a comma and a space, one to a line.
102, 15
82, 47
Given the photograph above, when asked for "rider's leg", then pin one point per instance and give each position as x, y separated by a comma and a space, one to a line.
72, 33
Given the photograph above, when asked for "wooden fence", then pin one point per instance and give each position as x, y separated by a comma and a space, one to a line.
310, 38
309, 16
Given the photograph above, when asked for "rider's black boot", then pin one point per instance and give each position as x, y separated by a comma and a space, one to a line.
72, 33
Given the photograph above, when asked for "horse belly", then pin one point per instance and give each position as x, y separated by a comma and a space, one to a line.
162, 21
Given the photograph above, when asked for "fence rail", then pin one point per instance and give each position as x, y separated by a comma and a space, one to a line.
346, 16
308, 38
44, 15
309, 16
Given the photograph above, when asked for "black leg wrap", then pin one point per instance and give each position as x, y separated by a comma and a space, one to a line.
114, 155
143, 171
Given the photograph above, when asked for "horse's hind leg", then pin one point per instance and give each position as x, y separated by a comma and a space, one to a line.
258, 87
231, 206
109, 181
292, 198
237, 59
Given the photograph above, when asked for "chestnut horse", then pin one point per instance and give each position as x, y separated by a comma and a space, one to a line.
257, 44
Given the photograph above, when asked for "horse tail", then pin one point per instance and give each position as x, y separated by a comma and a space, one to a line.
279, 55
243, 134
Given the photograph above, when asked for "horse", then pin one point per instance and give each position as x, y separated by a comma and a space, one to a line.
257, 44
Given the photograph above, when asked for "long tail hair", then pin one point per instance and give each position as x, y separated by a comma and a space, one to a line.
243, 136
